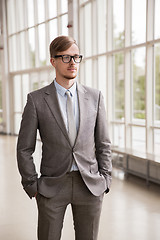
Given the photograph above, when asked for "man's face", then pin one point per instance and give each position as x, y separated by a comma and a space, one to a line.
69, 70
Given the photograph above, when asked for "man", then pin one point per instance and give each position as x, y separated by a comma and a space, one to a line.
76, 156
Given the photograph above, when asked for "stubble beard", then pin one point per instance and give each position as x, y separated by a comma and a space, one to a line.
67, 77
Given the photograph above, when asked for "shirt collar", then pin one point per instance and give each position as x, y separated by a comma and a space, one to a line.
61, 90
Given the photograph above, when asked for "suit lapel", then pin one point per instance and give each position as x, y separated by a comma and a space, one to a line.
53, 104
82, 98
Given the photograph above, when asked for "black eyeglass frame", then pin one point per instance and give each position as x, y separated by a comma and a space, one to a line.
80, 57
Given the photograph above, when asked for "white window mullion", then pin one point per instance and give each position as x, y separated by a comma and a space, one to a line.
128, 102
149, 98
47, 33
149, 77
36, 34
110, 95
110, 26
59, 20
109, 61
127, 70
150, 20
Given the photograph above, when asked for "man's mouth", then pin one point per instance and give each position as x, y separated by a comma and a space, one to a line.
72, 69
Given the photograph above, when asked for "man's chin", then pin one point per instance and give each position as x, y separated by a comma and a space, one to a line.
70, 77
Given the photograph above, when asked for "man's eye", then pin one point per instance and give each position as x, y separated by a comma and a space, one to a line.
66, 57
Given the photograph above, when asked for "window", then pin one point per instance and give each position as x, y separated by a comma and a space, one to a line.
119, 86
25, 88
88, 72
32, 25
13, 53
88, 30
157, 141
1, 111
157, 19
32, 53
30, 12
42, 44
157, 84
118, 23
52, 8
64, 23
138, 21
118, 137
41, 11
11, 16
64, 6
53, 29
139, 138
102, 25
138, 71
116, 53
102, 84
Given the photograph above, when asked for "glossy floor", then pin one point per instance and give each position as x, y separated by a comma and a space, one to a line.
131, 211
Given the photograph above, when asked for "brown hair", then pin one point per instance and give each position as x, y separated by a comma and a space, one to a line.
60, 44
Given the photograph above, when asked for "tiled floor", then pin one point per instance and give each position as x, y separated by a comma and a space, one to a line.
131, 211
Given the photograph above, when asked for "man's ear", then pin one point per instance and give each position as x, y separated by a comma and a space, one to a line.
52, 61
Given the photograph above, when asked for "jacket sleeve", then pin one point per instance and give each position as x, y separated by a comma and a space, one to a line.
102, 143
26, 147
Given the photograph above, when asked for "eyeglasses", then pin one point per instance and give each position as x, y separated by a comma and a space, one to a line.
68, 58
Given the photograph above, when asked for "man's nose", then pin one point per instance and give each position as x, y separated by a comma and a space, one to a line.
72, 61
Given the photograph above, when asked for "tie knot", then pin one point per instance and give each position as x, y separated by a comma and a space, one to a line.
68, 93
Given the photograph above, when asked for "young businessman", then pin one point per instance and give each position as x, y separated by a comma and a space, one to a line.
76, 157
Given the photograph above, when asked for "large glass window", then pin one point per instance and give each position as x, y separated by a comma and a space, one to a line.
119, 86
13, 53
30, 12
20, 15
139, 138
157, 83
138, 65
118, 137
102, 25
88, 73
42, 44
138, 21
30, 32
22, 59
157, 18
53, 29
64, 23
32, 25
32, 53
1, 89
118, 23
41, 11
25, 88
102, 84
52, 8
11, 16
17, 93
34, 78
88, 30
157, 141
64, 6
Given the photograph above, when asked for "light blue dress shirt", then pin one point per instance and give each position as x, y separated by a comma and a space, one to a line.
62, 99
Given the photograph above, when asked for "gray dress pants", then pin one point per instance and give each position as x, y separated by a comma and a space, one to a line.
86, 209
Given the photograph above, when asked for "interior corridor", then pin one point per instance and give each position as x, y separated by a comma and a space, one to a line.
131, 211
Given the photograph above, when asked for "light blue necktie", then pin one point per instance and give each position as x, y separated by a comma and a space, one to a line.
72, 132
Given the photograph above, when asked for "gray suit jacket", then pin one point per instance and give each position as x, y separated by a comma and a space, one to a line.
91, 150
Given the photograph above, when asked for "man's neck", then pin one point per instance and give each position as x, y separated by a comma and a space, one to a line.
66, 83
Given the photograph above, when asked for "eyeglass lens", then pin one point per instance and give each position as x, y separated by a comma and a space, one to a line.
67, 58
